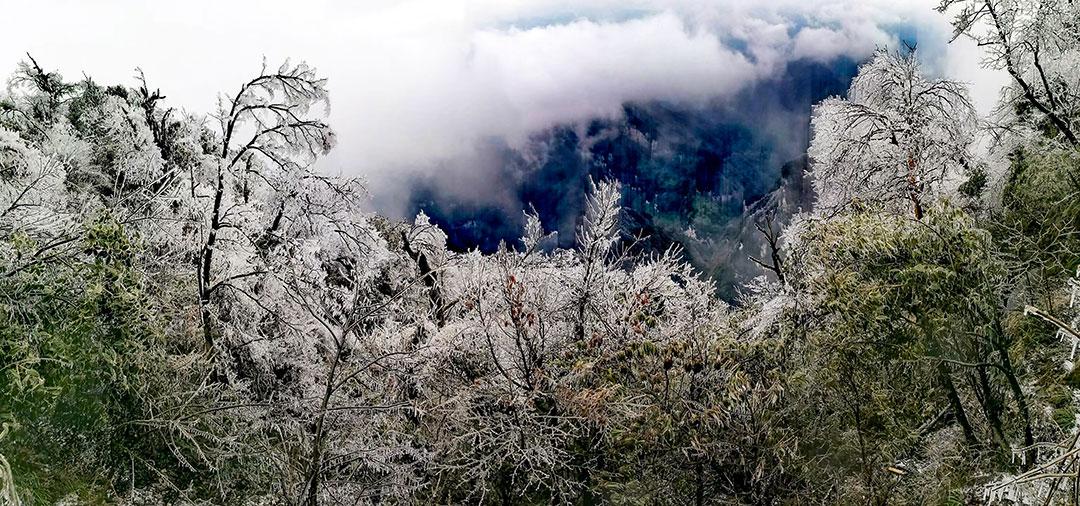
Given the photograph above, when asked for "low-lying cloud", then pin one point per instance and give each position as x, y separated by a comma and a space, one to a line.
417, 86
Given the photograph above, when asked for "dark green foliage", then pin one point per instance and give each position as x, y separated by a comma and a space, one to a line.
975, 184
901, 306
1073, 378
81, 352
1038, 229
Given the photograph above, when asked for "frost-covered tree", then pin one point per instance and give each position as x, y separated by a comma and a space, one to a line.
1038, 43
290, 258
269, 139
893, 140
510, 436
595, 239
39, 94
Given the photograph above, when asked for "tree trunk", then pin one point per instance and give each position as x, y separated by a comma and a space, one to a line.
699, 485
206, 261
913, 188
991, 408
1014, 386
1021, 404
315, 464
954, 399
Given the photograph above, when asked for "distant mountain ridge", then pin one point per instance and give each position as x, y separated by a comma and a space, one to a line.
696, 176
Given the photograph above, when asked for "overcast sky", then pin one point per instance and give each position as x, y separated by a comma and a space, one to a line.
415, 82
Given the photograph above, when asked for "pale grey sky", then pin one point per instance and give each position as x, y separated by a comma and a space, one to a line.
414, 82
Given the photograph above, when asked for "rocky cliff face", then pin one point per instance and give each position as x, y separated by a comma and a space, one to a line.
726, 255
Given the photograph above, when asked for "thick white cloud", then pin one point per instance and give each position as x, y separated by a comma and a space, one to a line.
418, 82
585, 68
